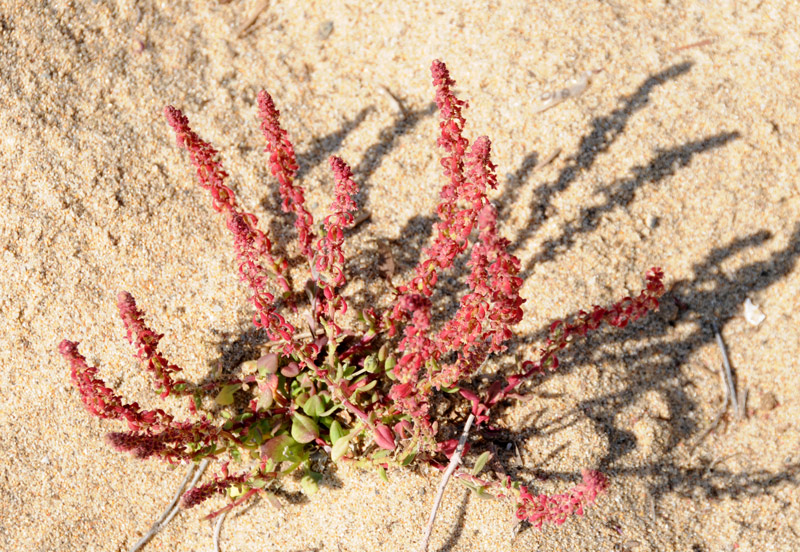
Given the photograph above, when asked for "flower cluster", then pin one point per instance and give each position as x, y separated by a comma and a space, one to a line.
283, 165
253, 248
220, 484
329, 257
147, 341
360, 394
556, 509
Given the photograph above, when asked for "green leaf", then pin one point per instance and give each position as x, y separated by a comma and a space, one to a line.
309, 483
258, 483
371, 364
301, 398
265, 399
367, 387
254, 435
313, 406
481, 462
340, 448
336, 432
235, 454
382, 473
468, 485
225, 397
267, 364
408, 459
304, 429
280, 448
330, 411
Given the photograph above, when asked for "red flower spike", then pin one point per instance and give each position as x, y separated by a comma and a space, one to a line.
560, 331
283, 166
483, 322
197, 495
328, 258
146, 341
253, 248
101, 400
540, 509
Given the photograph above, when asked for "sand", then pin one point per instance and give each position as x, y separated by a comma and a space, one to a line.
684, 158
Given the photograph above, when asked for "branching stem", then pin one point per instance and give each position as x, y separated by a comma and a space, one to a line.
167, 515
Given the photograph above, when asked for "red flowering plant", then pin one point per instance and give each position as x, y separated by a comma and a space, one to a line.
361, 394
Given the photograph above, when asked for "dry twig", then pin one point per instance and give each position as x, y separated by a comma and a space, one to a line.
217, 529
455, 460
173, 508
397, 100
244, 27
698, 44
547, 160
728, 375
360, 218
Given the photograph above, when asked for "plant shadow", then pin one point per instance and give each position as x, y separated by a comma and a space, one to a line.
657, 360
709, 297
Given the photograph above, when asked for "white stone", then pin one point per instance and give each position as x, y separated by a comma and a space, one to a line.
752, 314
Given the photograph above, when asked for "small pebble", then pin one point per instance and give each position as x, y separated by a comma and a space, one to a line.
325, 29
752, 313
767, 402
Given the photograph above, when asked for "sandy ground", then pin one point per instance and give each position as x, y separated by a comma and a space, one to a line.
682, 158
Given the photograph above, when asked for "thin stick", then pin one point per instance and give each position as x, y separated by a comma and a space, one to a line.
167, 515
360, 218
728, 376
200, 469
519, 456
166, 512
547, 160
698, 44
178, 494
217, 530
243, 28
743, 403
455, 460
400, 105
